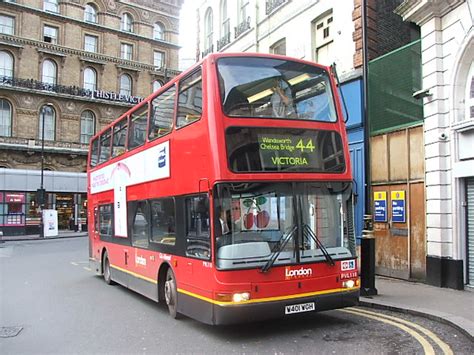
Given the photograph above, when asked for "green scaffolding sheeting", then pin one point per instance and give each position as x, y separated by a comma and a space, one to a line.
393, 78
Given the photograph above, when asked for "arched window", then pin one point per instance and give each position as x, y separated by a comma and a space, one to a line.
50, 71
48, 115
470, 94
127, 22
90, 13
125, 84
225, 21
87, 126
90, 79
6, 64
5, 118
208, 29
158, 31
51, 6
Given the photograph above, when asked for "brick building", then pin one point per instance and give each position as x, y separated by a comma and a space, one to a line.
67, 68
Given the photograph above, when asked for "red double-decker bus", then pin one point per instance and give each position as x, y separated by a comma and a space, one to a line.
227, 195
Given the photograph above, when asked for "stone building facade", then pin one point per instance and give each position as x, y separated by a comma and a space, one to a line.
447, 43
67, 69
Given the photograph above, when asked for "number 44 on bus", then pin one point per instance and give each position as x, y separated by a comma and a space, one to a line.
226, 194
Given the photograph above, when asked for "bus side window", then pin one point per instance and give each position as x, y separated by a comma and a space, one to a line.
105, 146
94, 152
190, 100
198, 243
161, 118
120, 137
137, 129
139, 223
106, 221
163, 221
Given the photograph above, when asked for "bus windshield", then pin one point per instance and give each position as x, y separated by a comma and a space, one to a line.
259, 225
275, 88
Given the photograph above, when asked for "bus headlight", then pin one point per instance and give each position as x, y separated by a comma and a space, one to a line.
348, 283
233, 297
241, 297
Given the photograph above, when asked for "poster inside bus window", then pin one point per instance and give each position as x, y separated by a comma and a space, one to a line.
284, 149
257, 213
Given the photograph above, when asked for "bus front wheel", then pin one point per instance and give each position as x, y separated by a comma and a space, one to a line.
171, 295
106, 265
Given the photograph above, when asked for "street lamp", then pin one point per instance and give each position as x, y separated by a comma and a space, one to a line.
41, 191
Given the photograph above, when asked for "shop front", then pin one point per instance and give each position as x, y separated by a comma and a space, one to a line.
20, 213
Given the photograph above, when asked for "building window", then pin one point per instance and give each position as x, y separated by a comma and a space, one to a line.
87, 126
125, 85
323, 39
90, 79
279, 47
90, 13
243, 10
7, 25
5, 118
158, 60
158, 31
156, 85
225, 21
90, 43
51, 6
50, 71
127, 22
208, 28
48, 115
126, 51
50, 34
6, 64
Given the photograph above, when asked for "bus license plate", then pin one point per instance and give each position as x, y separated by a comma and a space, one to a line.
298, 308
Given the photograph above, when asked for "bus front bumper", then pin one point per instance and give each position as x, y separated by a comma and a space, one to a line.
250, 312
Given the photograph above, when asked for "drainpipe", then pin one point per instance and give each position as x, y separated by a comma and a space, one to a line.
256, 27
367, 267
365, 78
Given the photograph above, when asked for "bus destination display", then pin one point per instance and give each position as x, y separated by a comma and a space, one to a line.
274, 149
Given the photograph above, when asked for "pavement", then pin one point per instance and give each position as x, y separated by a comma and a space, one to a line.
445, 305
441, 304
61, 234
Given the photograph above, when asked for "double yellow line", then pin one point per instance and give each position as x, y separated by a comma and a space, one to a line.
413, 329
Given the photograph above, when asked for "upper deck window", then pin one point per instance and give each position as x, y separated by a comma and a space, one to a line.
105, 146
275, 88
137, 130
190, 100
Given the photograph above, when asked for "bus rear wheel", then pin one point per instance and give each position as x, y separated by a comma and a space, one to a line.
171, 294
106, 265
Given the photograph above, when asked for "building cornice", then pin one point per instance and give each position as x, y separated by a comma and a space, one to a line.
96, 26
58, 50
421, 11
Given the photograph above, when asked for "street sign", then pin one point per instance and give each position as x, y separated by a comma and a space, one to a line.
380, 204
398, 206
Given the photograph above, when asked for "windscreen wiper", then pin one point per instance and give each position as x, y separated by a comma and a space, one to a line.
307, 231
282, 242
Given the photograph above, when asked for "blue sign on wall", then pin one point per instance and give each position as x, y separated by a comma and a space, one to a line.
380, 206
398, 206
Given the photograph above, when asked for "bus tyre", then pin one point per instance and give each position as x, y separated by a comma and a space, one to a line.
171, 295
106, 266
